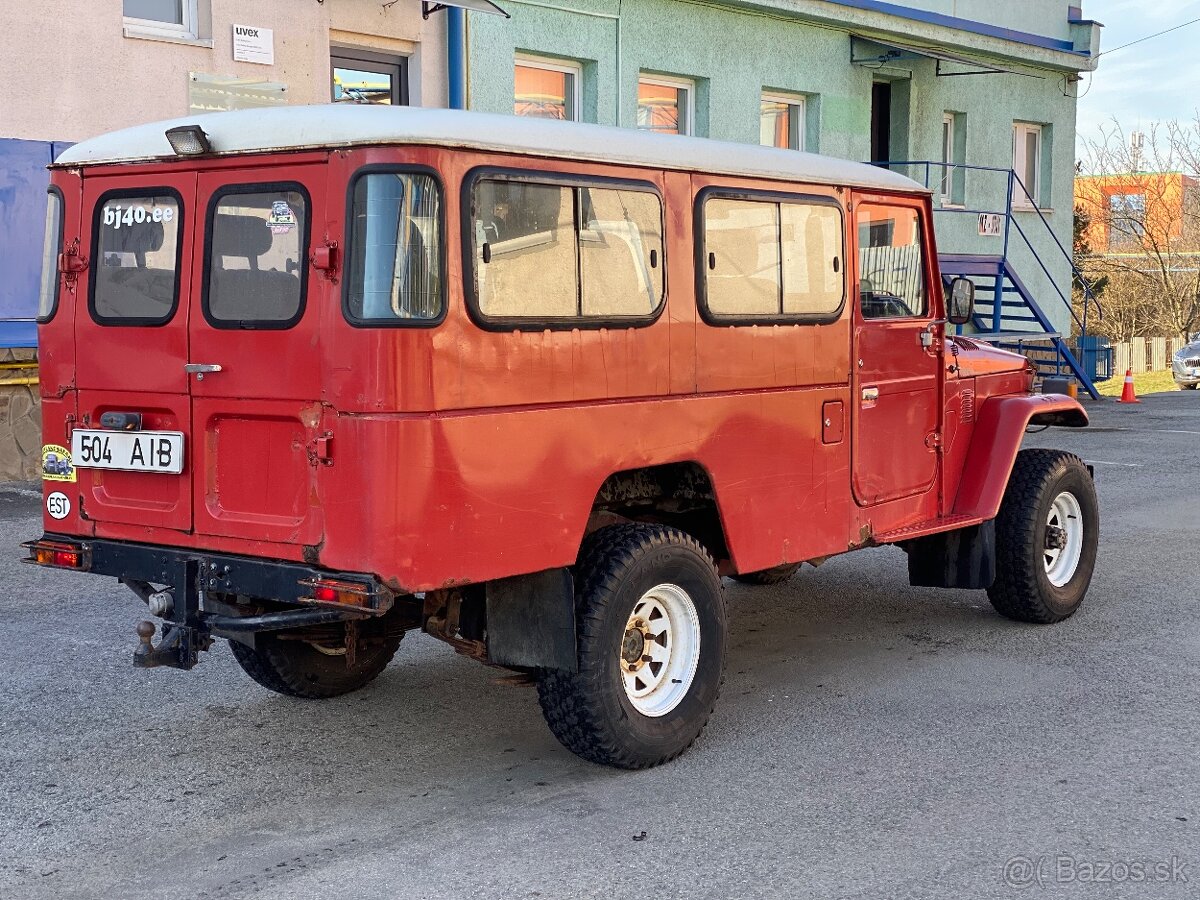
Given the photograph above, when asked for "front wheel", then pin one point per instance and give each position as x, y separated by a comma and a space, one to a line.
1189, 387
1047, 533
652, 633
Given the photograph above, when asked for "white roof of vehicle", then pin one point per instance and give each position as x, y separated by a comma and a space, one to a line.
315, 127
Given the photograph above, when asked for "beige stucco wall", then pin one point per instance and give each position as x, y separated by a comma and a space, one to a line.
76, 75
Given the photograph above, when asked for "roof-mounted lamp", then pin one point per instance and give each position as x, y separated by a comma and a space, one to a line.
189, 140
428, 7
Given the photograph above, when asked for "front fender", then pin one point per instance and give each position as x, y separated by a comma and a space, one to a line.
996, 440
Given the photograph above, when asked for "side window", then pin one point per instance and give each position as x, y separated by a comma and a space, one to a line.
561, 252
51, 242
770, 259
135, 276
394, 272
257, 247
891, 263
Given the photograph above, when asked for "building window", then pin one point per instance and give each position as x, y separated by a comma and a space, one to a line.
546, 89
781, 122
161, 18
1027, 163
665, 105
1127, 219
947, 186
363, 76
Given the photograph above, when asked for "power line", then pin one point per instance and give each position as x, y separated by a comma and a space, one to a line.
1148, 37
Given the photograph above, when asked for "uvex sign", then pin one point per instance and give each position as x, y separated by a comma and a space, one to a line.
253, 44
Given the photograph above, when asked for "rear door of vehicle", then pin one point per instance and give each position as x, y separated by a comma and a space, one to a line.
255, 354
131, 341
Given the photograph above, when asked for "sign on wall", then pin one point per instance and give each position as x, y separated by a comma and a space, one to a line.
990, 224
254, 45
212, 93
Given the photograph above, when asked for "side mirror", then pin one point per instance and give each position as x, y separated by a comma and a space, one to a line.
960, 304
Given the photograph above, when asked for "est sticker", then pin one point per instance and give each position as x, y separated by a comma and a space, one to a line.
57, 464
58, 505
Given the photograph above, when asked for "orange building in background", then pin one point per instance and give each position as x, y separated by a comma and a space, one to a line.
1125, 208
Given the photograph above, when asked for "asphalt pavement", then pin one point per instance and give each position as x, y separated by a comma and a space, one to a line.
872, 741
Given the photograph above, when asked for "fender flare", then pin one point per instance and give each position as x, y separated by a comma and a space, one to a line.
997, 439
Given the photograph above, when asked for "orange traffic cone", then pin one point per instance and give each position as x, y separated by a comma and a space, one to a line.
1128, 394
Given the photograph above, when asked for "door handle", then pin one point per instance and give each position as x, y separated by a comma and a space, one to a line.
201, 369
870, 394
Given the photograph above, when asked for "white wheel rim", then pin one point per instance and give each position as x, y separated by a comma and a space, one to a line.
1064, 539
660, 650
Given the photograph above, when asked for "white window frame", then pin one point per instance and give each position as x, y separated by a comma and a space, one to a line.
1021, 131
556, 65
946, 187
188, 30
797, 106
685, 84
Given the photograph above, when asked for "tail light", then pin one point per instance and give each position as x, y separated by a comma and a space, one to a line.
59, 554
336, 592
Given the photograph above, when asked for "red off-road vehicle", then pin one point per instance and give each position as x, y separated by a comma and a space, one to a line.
315, 377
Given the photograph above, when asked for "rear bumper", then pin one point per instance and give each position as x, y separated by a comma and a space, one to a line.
192, 616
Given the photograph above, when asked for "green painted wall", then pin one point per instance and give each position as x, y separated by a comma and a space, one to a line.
734, 54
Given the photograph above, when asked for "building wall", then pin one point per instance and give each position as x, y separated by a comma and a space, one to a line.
1168, 198
79, 76
735, 53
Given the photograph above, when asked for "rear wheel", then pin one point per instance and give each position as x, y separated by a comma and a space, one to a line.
1047, 533
652, 633
322, 666
777, 575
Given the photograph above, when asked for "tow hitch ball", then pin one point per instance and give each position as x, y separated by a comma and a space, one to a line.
179, 647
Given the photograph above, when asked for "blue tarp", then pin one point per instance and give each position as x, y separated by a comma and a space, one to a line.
23, 183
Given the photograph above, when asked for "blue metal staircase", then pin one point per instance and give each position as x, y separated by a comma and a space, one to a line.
1007, 313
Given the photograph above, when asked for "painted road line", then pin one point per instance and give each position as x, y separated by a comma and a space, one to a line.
1102, 462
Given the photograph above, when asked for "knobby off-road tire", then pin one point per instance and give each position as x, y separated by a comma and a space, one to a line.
652, 635
777, 575
1050, 500
298, 669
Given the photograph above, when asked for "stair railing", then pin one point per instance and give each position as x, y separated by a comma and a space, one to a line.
1090, 299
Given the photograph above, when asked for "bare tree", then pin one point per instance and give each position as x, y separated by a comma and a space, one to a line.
1145, 193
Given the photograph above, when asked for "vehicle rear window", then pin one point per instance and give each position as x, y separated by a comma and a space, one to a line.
257, 247
891, 262
566, 253
137, 259
395, 252
772, 259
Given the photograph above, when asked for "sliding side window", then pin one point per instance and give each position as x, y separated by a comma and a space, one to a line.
771, 259
565, 254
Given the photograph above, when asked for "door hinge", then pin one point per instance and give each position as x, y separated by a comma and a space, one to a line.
325, 259
321, 449
70, 264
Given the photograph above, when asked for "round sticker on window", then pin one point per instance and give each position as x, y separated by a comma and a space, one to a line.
58, 505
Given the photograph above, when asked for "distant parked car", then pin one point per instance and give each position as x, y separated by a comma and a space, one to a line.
1185, 366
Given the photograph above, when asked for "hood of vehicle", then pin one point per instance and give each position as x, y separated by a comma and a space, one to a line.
976, 358
1191, 351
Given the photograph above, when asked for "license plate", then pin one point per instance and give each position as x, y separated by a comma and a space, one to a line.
129, 451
